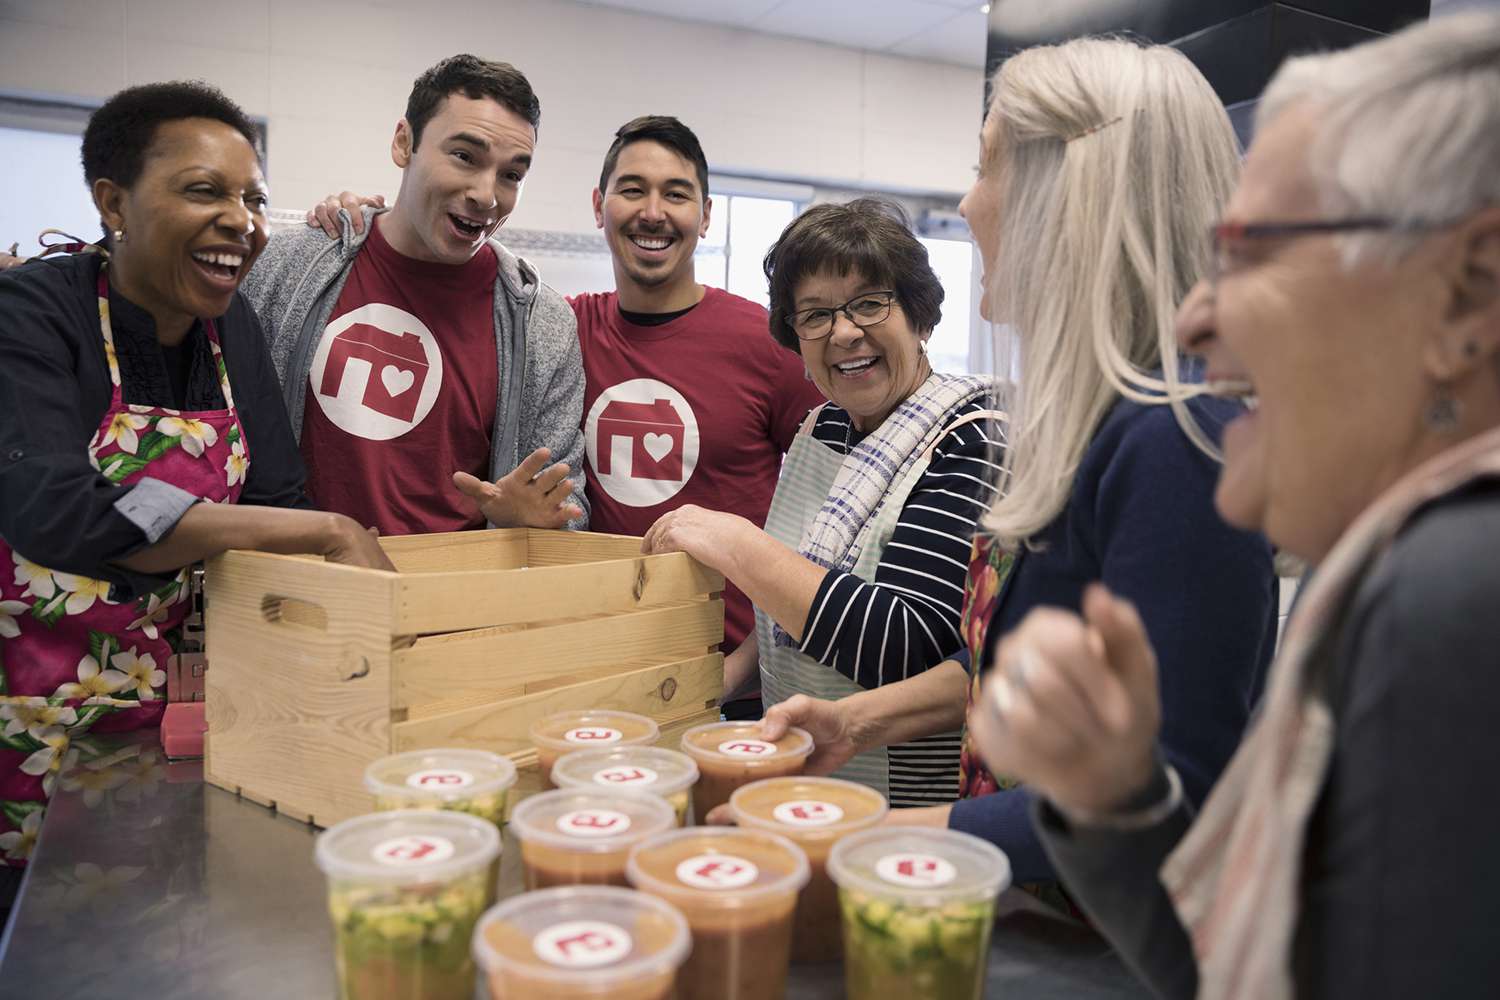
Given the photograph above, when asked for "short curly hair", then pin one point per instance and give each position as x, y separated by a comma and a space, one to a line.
120, 133
475, 78
871, 237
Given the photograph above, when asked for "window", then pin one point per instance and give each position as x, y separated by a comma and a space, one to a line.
953, 260
741, 230
43, 180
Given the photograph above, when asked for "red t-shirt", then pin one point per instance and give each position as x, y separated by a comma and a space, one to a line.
696, 410
402, 392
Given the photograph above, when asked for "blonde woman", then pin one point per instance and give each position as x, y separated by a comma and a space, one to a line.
1103, 166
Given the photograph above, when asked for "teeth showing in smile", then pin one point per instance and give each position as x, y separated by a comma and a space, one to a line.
652, 242
465, 223
854, 367
229, 260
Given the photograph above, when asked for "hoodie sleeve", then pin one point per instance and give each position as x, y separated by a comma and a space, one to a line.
557, 423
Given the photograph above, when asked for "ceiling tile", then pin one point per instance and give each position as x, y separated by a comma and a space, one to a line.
959, 40
732, 12
854, 23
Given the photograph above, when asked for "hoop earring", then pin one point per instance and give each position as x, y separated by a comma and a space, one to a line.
1444, 411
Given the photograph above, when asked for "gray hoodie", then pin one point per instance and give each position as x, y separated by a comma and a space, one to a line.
296, 283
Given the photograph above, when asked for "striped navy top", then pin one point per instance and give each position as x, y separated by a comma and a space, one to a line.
907, 620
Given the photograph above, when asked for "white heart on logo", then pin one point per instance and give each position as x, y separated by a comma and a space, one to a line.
396, 380
658, 446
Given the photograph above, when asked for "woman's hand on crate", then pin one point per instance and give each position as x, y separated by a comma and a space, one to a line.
710, 536
532, 495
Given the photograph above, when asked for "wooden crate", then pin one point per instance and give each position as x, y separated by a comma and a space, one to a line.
317, 669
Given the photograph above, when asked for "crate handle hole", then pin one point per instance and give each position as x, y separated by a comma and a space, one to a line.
291, 611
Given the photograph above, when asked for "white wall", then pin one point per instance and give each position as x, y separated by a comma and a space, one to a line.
331, 79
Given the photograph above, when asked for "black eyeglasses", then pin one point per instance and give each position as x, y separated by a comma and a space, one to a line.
1225, 235
865, 309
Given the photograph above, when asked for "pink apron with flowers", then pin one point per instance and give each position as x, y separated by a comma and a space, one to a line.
72, 660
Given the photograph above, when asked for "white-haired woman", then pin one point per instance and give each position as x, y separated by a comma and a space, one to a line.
1103, 165
1350, 849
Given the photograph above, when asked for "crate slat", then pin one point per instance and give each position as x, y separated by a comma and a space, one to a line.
450, 668
663, 691
444, 602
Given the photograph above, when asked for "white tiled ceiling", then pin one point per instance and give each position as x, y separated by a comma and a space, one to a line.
950, 31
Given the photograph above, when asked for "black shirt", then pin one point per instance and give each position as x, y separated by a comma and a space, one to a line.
55, 508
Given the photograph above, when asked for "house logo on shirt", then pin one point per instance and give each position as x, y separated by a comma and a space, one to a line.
377, 372
642, 442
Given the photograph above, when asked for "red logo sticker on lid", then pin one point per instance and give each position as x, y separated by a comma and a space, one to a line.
582, 944
593, 823
916, 871
440, 778
717, 871
625, 774
747, 748
598, 736
413, 850
807, 812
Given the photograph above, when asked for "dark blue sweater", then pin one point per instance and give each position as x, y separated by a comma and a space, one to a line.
1141, 519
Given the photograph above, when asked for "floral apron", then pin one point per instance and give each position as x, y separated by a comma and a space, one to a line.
71, 659
990, 570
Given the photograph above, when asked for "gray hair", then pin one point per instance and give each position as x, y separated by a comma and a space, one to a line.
1410, 124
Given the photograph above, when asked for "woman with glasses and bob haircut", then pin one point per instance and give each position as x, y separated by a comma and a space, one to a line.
858, 576
1350, 848
1103, 163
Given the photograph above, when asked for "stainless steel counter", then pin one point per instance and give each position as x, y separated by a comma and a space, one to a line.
148, 883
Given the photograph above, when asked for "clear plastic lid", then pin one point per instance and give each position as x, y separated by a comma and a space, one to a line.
591, 821
740, 743
806, 807
919, 866
444, 775
406, 846
583, 936
704, 861
589, 729
633, 769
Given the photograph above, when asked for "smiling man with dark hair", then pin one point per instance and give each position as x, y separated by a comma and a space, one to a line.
689, 400
415, 342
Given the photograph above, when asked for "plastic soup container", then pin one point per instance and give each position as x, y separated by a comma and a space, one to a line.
582, 836
405, 889
590, 729
666, 774
737, 889
814, 814
581, 942
918, 905
731, 754
476, 782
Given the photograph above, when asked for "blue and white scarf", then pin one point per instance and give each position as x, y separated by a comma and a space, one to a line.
845, 523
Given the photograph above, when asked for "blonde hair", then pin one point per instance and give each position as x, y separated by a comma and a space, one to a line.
1114, 160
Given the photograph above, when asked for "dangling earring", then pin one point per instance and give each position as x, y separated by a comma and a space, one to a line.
922, 346
119, 236
807, 373
1444, 411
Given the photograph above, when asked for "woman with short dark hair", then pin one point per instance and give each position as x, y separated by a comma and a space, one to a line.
858, 576
143, 432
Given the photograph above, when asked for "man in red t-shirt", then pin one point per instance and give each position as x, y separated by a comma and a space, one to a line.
434, 381
688, 399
